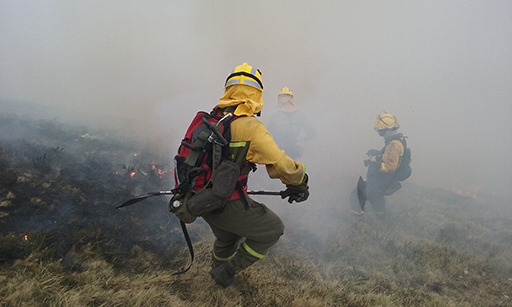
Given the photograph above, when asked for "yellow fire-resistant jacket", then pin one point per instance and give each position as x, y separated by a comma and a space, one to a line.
262, 148
391, 156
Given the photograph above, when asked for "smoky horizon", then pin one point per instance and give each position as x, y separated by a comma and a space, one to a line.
442, 68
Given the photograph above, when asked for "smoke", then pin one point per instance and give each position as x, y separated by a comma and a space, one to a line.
443, 68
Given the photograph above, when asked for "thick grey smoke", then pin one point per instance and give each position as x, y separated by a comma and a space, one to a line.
442, 67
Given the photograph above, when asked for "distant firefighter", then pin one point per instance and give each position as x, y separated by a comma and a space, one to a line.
386, 167
287, 124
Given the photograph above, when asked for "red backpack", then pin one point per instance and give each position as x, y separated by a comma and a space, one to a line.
202, 149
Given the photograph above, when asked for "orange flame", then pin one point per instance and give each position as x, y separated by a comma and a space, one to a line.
26, 237
132, 174
158, 171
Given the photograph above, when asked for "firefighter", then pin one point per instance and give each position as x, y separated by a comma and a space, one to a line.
386, 167
287, 124
245, 229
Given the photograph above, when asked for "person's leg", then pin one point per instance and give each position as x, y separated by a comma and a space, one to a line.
376, 186
260, 227
379, 205
393, 187
224, 247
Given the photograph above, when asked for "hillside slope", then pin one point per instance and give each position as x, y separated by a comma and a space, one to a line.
63, 243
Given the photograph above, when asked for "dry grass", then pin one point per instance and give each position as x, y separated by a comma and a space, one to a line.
414, 257
435, 248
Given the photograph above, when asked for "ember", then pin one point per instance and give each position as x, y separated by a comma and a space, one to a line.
158, 171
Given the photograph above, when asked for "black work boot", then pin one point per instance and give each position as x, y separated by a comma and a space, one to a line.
217, 263
223, 275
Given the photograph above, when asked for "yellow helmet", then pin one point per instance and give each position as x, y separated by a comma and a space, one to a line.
285, 91
386, 121
245, 74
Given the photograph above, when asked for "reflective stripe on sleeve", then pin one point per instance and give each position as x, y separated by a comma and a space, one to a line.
237, 144
303, 174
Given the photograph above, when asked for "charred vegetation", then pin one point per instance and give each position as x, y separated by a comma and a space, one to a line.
60, 185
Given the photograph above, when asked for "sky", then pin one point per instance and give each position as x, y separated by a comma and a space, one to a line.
443, 68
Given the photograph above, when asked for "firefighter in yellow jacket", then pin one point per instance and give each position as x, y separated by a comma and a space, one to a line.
386, 167
245, 229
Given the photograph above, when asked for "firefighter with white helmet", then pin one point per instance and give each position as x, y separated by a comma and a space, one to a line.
386, 167
245, 229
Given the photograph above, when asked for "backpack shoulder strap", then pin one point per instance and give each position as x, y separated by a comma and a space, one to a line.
220, 151
398, 137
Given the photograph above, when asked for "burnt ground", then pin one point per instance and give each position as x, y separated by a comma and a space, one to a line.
61, 184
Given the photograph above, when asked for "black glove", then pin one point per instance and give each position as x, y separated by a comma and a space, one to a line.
373, 152
298, 192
